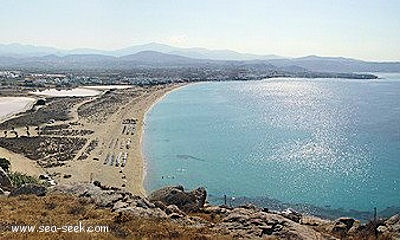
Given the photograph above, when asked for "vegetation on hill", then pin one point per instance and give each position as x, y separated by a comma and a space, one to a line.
60, 210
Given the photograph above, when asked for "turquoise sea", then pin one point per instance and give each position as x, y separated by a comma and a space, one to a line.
325, 146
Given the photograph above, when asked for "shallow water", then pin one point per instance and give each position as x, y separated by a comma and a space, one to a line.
327, 143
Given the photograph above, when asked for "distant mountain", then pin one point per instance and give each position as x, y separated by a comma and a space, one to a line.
158, 58
154, 54
336, 64
99, 61
198, 53
21, 51
156, 47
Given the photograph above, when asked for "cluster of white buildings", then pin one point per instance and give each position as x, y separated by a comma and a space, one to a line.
10, 74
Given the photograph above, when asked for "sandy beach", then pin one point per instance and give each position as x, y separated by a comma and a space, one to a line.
132, 175
141, 109
109, 128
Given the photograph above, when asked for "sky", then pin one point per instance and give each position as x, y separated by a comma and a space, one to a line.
363, 29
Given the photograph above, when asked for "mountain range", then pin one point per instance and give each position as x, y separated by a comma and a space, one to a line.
19, 50
155, 54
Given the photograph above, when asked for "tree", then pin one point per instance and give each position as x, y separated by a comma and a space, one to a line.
5, 164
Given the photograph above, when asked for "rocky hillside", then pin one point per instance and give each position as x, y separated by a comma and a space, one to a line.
168, 213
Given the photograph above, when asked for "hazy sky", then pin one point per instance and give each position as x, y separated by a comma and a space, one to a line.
365, 29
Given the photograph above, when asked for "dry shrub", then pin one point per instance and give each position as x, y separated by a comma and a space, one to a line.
60, 210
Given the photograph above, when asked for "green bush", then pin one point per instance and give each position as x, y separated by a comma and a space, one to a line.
5, 164
19, 179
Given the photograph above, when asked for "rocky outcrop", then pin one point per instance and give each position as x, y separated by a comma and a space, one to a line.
244, 222
123, 202
254, 223
5, 182
29, 189
391, 227
292, 215
393, 223
186, 201
118, 200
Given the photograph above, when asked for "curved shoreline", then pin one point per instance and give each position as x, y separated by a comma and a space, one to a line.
83, 171
158, 96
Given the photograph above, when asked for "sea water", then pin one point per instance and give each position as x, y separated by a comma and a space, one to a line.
326, 145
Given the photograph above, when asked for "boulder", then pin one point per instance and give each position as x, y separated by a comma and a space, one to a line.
148, 203
106, 198
215, 210
143, 203
347, 221
200, 194
5, 182
186, 201
382, 229
342, 226
394, 222
174, 209
357, 227
339, 228
119, 204
313, 221
102, 198
28, 189
393, 225
253, 223
292, 215
237, 218
142, 213
160, 205
175, 216
78, 189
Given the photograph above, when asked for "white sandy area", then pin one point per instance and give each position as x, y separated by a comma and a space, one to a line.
10, 106
76, 92
108, 87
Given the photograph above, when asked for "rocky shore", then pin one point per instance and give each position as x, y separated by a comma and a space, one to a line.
189, 209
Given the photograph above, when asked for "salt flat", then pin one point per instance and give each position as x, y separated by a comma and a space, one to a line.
76, 92
107, 87
12, 105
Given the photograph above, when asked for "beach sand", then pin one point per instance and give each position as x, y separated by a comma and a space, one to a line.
110, 138
22, 164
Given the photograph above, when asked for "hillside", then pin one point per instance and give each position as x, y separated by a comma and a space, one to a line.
168, 213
